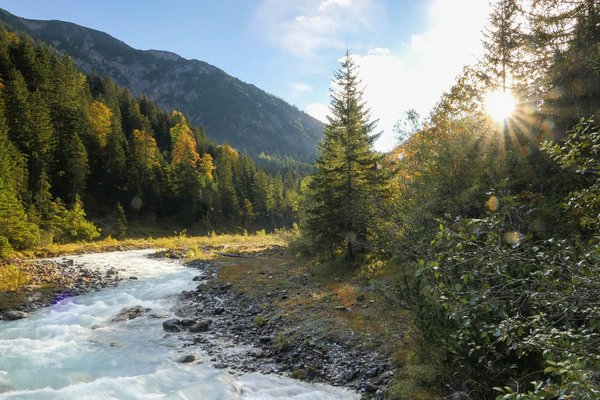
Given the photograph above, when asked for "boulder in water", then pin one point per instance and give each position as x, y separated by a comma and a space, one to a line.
128, 313
172, 325
187, 359
14, 315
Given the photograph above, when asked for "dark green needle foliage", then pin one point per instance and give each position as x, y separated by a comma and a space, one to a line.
341, 210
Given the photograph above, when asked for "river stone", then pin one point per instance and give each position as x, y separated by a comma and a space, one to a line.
186, 310
218, 311
200, 326
265, 339
172, 325
14, 315
188, 322
368, 387
128, 313
187, 359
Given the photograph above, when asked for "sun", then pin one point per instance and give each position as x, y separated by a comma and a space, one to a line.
499, 105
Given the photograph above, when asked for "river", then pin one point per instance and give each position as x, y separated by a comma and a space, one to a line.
72, 350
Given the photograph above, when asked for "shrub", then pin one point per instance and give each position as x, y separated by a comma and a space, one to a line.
5, 248
12, 278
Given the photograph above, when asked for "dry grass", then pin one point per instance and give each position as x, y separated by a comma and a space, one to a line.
340, 308
196, 245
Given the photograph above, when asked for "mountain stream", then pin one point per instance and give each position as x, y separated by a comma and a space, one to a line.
72, 350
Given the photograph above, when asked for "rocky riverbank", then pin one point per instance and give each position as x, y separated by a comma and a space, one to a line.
250, 334
51, 281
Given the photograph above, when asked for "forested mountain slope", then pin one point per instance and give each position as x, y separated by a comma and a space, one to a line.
68, 140
230, 110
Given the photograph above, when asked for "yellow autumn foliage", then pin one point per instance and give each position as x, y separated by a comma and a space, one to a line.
206, 166
184, 145
144, 146
100, 117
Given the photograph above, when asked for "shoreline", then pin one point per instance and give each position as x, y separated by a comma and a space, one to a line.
238, 332
51, 282
245, 334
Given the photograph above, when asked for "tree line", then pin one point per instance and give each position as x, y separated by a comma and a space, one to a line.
492, 228
70, 142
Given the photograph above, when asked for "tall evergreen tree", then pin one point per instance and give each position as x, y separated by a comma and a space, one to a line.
502, 41
341, 214
15, 226
42, 146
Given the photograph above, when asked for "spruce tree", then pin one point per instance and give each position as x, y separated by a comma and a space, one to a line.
15, 225
502, 41
121, 221
350, 181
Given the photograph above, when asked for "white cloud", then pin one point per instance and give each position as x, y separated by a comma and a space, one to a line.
304, 27
319, 111
418, 75
380, 51
328, 3
301, 87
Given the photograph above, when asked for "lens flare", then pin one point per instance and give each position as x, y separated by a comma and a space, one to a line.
499, 105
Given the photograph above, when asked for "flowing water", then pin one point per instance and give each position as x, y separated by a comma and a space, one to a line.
71, 350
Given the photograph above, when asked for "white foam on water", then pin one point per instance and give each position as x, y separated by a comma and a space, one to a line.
71, 350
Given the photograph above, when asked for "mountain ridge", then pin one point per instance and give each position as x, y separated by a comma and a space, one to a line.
229, 109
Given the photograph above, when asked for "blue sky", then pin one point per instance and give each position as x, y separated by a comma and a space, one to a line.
408, 51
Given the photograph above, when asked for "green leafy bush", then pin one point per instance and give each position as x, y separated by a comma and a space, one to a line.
72, 225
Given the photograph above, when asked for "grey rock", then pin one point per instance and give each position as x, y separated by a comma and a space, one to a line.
200, 326
368, 387
13, 315
188, 322
349, 375
129, 313
186, 311
218, 311
265, 339
172, 325
186, 359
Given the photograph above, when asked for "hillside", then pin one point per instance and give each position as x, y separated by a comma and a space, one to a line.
70, 142
229, 109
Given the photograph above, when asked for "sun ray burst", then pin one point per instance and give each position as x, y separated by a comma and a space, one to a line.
499, 105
